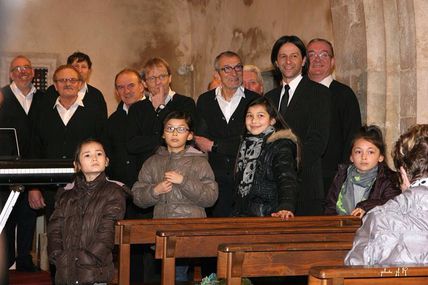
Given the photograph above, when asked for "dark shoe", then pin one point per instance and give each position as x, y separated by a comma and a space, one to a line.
27, 268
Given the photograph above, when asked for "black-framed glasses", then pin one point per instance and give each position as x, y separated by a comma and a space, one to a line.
180, 130
228, 69
161, 77
70, 80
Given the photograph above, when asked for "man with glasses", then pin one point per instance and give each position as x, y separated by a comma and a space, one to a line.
21, 105
61, 126
221, 115
90, 96
157, 79
345, 111
305, 106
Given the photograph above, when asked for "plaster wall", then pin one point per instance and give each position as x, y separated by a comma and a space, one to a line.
187, 33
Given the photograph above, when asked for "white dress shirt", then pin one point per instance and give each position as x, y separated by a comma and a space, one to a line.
229, 107
24, 100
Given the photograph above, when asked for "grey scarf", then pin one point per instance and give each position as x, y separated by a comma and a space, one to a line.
249, 152
346, 202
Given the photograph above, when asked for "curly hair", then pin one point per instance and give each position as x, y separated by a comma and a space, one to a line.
411, 152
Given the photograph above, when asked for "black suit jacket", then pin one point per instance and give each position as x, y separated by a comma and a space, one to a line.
308, 115
345, 123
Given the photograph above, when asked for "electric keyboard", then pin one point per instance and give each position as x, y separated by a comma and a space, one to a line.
36, 171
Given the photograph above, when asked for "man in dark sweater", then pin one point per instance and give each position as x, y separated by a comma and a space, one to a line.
62, 126
146, 117
345, 110
221, 115
90, 96
305, 106
20, 107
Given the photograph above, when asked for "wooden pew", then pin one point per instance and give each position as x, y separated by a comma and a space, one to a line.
143, 231
204, 243
277, 259
369, 275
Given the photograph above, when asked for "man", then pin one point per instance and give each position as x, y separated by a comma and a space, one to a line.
20, 107
157, 78
305, 106
90, 96
253, 79
345, 111
129, 88
61, 127
221, 114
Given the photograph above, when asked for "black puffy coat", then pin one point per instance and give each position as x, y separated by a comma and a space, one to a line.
274, 186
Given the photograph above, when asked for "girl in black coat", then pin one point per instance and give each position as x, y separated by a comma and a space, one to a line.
266, 169
367, 182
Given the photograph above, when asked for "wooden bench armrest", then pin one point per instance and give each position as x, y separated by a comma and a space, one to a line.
281, 246
326, 272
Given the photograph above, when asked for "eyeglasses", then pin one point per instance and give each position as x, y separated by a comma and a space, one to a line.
69, 80
21, 68
321, 55
180, 130
228, 69
161, 77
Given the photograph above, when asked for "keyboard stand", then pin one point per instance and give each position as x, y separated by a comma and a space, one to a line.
10, 203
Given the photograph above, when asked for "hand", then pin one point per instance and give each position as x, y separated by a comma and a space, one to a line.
203, 143
358, 212
158, 96
163, 187
283, 214
174, 177
35, 199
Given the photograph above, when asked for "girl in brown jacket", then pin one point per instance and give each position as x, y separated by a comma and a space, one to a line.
81, 229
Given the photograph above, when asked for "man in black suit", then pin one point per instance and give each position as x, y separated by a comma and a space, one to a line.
221, 115
305, 106
90, 96
345, 111
20, 107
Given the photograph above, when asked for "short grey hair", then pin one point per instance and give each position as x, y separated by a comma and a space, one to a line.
256, 70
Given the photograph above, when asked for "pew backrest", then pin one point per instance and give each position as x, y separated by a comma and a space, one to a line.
373, 275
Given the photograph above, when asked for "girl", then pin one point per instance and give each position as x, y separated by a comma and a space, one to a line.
367, 182
178, 179
396, 233
266, 170
81, 228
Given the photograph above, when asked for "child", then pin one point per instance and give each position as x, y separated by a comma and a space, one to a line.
396, 232
367, 182
266, 170
178, 179
81, 228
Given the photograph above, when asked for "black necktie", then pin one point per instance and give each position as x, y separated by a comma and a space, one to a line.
284, 101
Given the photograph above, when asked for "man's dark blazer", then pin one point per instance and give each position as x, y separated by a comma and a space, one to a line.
345, 123
308, 115
227, 136
122, 166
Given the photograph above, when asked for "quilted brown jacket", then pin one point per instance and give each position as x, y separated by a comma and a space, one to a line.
81, 230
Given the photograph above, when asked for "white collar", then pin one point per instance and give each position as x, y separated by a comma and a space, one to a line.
78, 102
239, 93
327, 81
18, 91
293, 83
